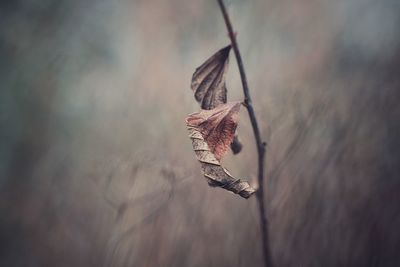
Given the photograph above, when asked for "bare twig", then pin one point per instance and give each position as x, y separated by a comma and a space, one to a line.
261, 146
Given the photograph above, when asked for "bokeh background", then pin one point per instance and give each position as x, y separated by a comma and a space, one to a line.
96, 168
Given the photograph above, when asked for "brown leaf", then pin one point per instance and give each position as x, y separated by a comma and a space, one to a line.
217, 126
212, 131
208, 81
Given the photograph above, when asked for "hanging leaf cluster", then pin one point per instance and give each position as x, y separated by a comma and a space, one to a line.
212, 130
208, 85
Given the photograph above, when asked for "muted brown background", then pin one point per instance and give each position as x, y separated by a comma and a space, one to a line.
96, 168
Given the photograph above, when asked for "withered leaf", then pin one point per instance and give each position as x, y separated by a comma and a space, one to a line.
208, 84
211, 132
217, 126
208, 81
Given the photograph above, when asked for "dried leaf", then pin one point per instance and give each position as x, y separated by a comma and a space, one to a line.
208, 81
208, 84
212, 131
217, 126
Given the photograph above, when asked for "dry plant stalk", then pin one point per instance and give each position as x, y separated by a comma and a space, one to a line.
212, 129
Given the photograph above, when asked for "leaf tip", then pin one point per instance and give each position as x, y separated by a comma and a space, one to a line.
225, 51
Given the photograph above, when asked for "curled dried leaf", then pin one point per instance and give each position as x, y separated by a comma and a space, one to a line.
217, 126
208, 81
212, 131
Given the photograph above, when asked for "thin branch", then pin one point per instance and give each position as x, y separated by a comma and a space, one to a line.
261, 146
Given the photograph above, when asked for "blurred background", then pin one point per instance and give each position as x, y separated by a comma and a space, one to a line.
96, 168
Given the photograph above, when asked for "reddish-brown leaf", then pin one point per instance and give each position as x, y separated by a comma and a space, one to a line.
211, 132
217, 126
